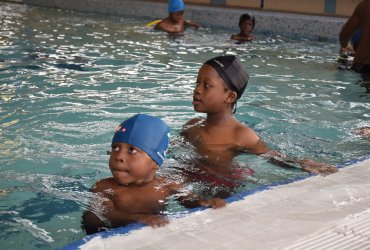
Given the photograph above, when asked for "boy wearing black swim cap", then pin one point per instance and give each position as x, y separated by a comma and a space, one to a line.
175, 22
135, 193
220, 136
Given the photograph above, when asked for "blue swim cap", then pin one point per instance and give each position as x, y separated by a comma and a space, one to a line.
147, 133
175, 6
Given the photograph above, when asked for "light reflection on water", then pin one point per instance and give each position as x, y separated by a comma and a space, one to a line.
67, 79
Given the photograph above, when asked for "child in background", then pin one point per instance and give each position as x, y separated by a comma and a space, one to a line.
135, 193
364, 131
359, 20
246, 25
220, 137
175, 22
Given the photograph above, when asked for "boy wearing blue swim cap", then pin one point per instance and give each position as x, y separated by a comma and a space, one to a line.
175, 22
135, 193
220, 136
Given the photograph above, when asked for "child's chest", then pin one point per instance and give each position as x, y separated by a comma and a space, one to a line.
216, 146
140, 201
201, 136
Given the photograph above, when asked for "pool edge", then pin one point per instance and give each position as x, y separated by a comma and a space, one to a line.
234, 199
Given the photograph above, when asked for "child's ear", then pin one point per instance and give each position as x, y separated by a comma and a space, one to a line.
155, 166
231, 97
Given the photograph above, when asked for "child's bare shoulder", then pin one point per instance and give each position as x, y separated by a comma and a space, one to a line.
235, 37
162, 24
104, 185
193, 122
245, 135
167, 184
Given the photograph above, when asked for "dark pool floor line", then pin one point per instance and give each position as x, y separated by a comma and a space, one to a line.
361, 164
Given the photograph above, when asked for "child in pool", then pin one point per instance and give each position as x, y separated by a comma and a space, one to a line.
135, 193
220, 137
359, 20
175, 22
364, 131
246, 25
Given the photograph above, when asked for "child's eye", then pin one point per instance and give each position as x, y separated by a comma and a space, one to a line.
115, 148
132, 150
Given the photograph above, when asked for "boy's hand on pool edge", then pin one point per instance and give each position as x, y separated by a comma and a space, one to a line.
313, 167
214, 203
154, 220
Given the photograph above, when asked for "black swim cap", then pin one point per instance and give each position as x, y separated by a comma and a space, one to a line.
232, 71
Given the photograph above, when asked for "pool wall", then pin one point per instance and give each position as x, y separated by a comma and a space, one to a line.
318, 7
267, 22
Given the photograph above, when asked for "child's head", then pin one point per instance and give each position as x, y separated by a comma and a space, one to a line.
232, 71
139, 146
175, 6
221, 78
246, 23
176, 10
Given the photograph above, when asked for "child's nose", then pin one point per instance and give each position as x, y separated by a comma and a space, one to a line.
197, 89
121, 156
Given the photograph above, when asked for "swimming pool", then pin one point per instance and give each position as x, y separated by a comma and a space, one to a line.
67, 80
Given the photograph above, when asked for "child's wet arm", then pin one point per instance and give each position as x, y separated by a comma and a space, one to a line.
191, 200
305, 164
349, 28
93, 219
192, 24
119, 218
251, 142
259, 147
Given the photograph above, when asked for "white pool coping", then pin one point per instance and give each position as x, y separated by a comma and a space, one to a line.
331, 212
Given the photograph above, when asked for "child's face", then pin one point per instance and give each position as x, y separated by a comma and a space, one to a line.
131, 165
177, 17
246, 26
210, 92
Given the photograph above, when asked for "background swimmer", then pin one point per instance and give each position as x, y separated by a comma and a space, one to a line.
246, 25
175, 22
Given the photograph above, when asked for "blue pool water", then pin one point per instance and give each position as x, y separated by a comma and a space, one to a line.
67, 79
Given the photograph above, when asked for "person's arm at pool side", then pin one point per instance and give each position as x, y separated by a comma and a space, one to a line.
191, 200
189, 23
348, 29
259, 147
307, 165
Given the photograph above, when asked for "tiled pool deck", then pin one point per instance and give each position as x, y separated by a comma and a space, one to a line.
331, 212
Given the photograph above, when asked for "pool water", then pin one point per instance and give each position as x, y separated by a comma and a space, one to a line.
67, 79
